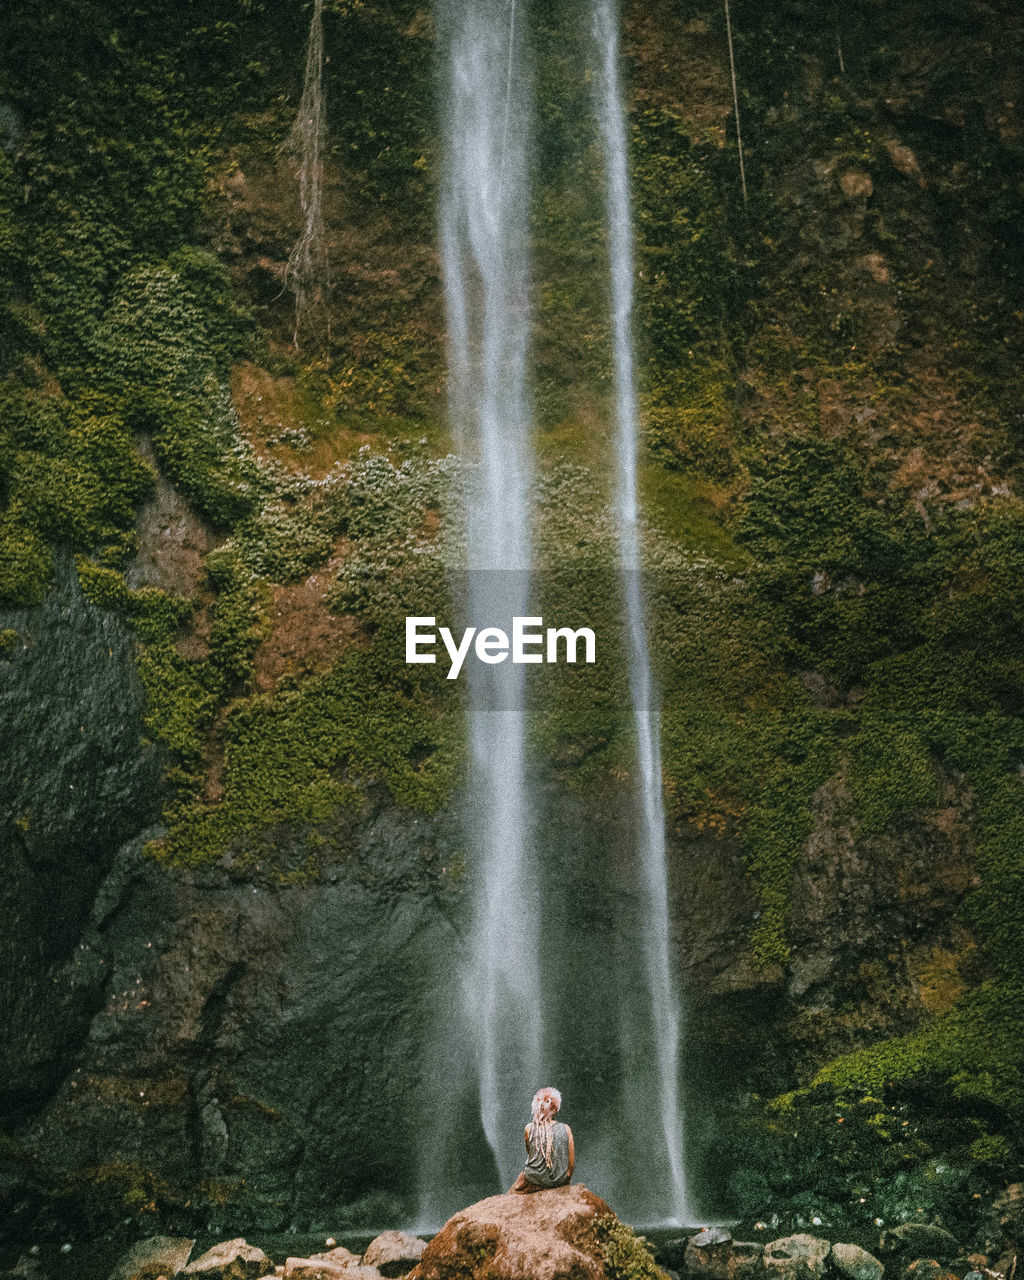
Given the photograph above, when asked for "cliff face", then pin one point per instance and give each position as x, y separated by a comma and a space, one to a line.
234, 861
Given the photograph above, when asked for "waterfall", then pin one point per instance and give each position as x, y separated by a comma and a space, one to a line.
664, 1007
484, 218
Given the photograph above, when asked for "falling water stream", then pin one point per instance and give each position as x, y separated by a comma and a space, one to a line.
484, 223
664, 1007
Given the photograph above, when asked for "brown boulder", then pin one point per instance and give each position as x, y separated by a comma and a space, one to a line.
927, 1269
314, 1269
547, 1235
799, 1257
712, 1254
231, 1260
394, 1253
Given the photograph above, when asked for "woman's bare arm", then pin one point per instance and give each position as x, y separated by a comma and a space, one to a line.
572, 1152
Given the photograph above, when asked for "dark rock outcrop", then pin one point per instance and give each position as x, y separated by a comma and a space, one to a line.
77, 780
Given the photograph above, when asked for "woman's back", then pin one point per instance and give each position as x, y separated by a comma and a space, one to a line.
547, 1141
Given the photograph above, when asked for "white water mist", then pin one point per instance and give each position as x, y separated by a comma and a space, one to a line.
664, 1005
484, 219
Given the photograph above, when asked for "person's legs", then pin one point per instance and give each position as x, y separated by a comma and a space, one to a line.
523, 1187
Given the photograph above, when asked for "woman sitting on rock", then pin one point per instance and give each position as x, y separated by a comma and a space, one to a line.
550, 1152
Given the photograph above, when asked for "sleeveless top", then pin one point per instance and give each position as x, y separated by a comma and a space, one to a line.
536, 1170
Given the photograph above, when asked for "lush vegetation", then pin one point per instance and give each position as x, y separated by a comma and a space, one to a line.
832, 382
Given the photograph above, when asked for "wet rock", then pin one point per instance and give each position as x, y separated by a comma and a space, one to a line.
856, 185
919, 1239
27, 1268
71, 791
709, 1254
315, 1269
172, 542
709, 1237
854, 1263
927, 1269
547, 1236
338, 1254
231, 1260
904, 160
1009, 1204
672, 1253
394, 1253
157, 1256
727, 1260
799, 1257
714, 1255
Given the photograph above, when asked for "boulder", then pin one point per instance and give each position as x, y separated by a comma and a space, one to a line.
338, 1254
854, 1263
799, 1257
27, 1268
708, 1237
547, 1235
920, 1240
856, 185
156, 1256
231, 1260
1009, 1204
672, 1253
714, 1255
748, 1258
927, 1269
394, 1253
314, 1269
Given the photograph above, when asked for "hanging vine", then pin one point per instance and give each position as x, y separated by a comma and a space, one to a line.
735, 101
307, 273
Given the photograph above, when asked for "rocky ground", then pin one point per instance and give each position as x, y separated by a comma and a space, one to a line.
570, 1233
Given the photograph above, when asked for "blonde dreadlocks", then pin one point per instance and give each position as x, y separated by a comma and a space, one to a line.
544, 1108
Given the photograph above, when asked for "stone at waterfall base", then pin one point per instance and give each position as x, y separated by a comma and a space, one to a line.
153, 1257
232, 1260
394, 1253
799, 1257
853, 1263
548, 1235
713, 1254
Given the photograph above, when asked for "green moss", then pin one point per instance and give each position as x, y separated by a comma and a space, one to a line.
626, 1255
154, 615
179, 707
297, 758
973, 1053
71, 475
26, 562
